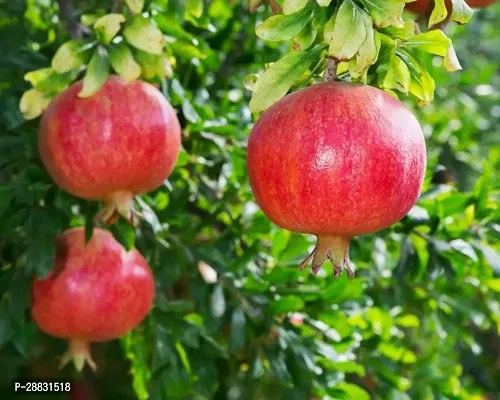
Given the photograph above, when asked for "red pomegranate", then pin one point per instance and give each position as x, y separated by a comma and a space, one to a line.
95, 292
336, 160
121, 141
426, 6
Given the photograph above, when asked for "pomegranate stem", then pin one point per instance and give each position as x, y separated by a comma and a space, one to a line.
333, 248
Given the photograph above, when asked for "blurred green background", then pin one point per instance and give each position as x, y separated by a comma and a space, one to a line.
420, 321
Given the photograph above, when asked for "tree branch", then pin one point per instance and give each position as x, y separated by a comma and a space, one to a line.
116, 6
331, 69
76, 31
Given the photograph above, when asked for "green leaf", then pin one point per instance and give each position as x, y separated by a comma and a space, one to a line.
287, 304
368, 51
292, 6
493, 284
398, 76
71, 55
56, 83
135, 348
346, 31
397, 353
461, 12
237, 335
438, 14
33, 103
195, 8
348, 391
108, 26
284, 27
135, 6
385, 13
6, 325
35, 77
407, 31
422, 85
123, 62
275, 82
408, 321
306, 38
491, 256
435, 42
324, 3
97, 73
144, 35
153, 66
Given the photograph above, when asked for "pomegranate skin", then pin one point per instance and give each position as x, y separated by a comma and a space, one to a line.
336, 160
423, 6
96, 292
123, 140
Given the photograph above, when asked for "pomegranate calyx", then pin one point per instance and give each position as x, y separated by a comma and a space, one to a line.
333, 248
118, 204
79, 353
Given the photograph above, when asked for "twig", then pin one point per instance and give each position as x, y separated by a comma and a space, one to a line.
275, 7
76, 30
331, 69
116, 6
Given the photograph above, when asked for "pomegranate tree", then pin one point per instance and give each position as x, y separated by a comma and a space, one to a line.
121, 141
336, 160
95, 292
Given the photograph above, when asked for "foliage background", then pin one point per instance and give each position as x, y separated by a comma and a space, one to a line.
420, 321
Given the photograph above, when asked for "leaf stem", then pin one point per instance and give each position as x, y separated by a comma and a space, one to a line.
331, 69
75, 29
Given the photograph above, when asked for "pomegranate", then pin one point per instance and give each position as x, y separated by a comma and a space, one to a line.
426, 6
336, 160
95, 292
121, 141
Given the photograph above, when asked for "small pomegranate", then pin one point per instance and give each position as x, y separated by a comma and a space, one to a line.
336, 160
426, 6
95, 292
123, 140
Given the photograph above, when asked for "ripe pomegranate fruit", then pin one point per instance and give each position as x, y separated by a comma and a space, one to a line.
336, 160
426, 6
121, 141
95, 292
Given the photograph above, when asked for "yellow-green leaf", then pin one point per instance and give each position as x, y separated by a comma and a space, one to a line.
292, 6
123, 62
97, 73
194, 8
461, 12
71, 55
153, 65
346, 31
33, 103
324, 3
435, 42
306, 38
385, 12
35, 77
144, 35
135, 6
275, 82
284, 27
368, 52
439, 13
108, 26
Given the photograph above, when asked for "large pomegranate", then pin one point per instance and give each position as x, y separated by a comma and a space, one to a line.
336, 160
426, 6
95, 292
121, 141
